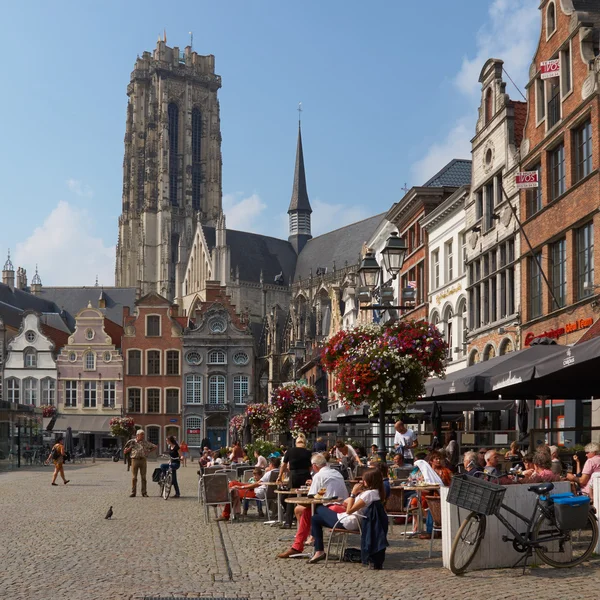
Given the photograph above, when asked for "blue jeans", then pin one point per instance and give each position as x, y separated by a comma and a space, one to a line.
323, 517
174, 467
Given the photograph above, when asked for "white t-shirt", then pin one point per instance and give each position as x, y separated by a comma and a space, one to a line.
332, 481
406, 440
350, 522
261, 490
261, 462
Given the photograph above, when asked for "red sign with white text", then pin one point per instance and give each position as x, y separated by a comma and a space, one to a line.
550, 68
527, 179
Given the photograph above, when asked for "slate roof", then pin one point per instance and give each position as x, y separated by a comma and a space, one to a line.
60, 338
252, 252
74, 299
456, 173
340, 246
299, 199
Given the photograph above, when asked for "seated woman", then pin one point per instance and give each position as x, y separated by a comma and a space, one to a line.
514, 454
542, 465
528, 466
363, 494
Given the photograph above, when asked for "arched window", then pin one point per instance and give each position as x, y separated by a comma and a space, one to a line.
194, 430
550, 19
30, 391
153, 434
48, 391
435, 319
30, 358
173, 111
489, 352
12, 389
473, 357
174, 247
506, 346
489, 105
448, 331
216, 389
196, 157
193, 389
217, 357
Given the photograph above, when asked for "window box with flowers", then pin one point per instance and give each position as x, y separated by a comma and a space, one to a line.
48, 411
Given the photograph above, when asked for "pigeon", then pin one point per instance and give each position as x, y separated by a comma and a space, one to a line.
109, 514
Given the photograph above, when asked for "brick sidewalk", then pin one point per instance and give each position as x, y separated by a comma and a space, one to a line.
156, 549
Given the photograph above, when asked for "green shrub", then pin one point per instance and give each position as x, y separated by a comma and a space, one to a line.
264, 448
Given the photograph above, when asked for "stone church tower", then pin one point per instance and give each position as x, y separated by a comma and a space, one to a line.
171, 169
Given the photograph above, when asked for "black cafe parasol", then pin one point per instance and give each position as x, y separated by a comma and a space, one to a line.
522, 418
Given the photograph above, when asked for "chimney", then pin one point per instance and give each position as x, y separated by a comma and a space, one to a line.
8, 273
21, 278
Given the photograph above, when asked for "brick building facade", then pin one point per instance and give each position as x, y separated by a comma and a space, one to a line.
561, 141
152, 348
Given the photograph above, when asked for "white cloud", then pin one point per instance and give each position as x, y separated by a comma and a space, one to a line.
510, 33
244, 213
457, 144
327, 217
66, 251
79, 188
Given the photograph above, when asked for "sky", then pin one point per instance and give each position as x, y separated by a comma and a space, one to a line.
389, 92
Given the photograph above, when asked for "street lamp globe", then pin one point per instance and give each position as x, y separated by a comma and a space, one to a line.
368, 271
393, 254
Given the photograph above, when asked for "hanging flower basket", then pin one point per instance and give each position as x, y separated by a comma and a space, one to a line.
122, 427
48, 411
236, 425
259, 416
295, 408
384, 364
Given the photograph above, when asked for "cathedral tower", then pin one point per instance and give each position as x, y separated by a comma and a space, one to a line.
299, 209
171, 168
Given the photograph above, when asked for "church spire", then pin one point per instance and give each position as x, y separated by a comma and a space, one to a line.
299, 210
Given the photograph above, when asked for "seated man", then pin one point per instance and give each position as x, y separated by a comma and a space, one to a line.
470, 464
493, 471
324, 477
255, 489
591, 466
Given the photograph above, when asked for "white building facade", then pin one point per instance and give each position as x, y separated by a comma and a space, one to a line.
30, 371
447, 297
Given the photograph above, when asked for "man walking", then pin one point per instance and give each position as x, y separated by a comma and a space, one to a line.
405, 441
139, 449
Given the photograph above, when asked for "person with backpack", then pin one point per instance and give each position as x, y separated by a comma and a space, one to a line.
57, 456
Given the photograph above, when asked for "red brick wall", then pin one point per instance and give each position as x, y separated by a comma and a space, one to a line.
581, 199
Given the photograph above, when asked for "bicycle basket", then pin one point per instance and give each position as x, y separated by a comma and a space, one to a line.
476, 494
571, 511
156, 475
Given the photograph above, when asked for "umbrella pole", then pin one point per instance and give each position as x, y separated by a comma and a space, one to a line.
381, 442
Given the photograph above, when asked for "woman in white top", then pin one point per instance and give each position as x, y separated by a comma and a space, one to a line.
261, 461
363, 494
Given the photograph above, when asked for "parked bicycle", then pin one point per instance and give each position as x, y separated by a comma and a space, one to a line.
164, 478
562, 529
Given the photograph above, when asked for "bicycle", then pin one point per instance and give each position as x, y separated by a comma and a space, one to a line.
165, 479
561, 538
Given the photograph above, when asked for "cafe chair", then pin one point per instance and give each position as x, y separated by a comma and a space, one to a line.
435, 510
270, 495
341, 535
215, 491
247, 476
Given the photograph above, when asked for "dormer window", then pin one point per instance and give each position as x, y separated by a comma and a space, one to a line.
550, 19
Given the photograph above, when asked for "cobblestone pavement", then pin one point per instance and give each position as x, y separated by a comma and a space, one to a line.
56, 544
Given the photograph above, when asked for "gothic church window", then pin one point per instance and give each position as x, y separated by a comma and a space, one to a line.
196, 157
173, 111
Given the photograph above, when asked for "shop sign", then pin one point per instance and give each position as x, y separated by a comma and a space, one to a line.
550, 68
560, 331
194, 431
172, 420
453, 290
527, 179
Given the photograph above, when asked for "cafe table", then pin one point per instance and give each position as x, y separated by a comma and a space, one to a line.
280, 493
312, 502
419, 489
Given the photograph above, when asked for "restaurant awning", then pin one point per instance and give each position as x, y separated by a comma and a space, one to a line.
568, 372
81, 424
472, 383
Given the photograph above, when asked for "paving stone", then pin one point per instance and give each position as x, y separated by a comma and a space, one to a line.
156, 548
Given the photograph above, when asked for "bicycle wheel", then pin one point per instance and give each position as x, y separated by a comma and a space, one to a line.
574, 549
168, 482
466, 542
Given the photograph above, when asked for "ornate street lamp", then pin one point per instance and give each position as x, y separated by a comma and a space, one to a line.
393, 254
369, 270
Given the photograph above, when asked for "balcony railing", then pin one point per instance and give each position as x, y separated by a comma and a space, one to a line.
554, 111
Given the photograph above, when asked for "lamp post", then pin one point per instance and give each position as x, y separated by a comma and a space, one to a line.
370, 274
296, 352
